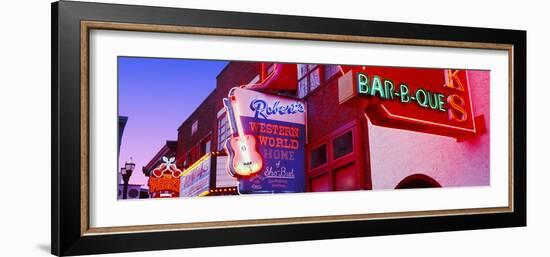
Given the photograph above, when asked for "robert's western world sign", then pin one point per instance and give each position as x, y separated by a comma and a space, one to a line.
435, 101
267, 146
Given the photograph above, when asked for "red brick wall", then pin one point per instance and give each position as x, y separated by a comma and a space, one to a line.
205, 114
234, 74
325, 115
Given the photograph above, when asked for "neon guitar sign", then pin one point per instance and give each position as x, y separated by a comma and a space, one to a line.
244, 159
267, 145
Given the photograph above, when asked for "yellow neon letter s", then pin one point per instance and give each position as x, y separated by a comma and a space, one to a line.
456, 110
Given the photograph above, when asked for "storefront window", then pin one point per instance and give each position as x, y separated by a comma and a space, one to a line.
302, 70
309, 78
223, 131
342, 145
335, 161
330, 70
314, 80
302, 88
194, 127
318, 156
205, 146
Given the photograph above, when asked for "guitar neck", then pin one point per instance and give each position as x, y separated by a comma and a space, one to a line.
233, 120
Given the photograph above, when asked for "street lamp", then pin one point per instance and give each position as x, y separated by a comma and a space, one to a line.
126, 172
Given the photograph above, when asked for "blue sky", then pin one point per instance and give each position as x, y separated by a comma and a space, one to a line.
157, 95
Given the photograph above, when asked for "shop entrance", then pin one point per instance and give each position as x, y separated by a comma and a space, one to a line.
335, 162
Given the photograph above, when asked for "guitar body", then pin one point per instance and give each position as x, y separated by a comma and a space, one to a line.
244, 159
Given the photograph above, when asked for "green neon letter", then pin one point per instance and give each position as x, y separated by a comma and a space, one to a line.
377, 87
362, 83
388, 86
432, 99
440, 98
424, 100
404, 92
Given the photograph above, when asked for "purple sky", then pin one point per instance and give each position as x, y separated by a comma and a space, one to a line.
157, 95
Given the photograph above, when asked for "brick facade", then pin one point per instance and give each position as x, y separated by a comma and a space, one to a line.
192, 144
325, 115
234, 74
344, 151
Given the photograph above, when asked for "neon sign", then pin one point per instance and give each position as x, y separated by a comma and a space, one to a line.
166, 183
276, 125
244, 159
164, 180
167, 167
385, 89
261, 108
435, 101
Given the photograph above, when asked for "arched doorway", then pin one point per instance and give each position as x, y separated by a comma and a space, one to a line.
417, 181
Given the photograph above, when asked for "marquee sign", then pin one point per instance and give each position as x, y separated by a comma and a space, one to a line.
435, 101
223, 179
276, 126
195, 180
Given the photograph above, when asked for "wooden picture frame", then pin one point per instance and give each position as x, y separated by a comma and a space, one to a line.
71, 24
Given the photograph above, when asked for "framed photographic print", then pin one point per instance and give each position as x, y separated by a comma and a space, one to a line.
178, 128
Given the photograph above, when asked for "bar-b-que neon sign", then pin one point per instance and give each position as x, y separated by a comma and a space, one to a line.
435, 101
